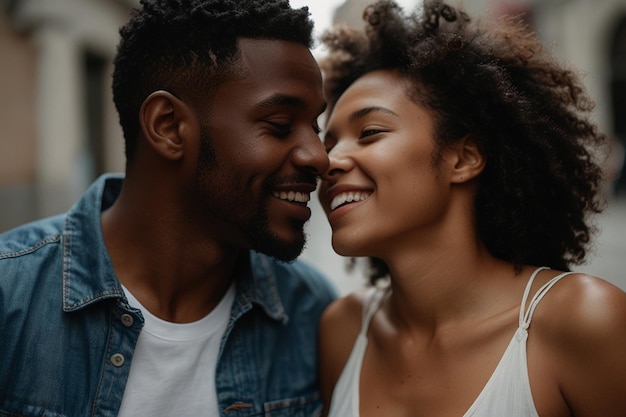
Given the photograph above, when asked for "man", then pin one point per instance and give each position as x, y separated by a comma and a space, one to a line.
158, 294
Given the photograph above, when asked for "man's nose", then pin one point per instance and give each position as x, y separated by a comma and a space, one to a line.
311, 155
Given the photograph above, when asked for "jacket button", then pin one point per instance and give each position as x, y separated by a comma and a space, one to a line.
127, 320
117, 360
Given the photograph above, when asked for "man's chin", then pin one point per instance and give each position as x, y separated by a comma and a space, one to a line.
281, 249
285, 243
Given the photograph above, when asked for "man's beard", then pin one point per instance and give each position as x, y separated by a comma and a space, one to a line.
265, 241
256, 229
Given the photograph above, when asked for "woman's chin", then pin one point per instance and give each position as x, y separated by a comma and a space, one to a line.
347, 249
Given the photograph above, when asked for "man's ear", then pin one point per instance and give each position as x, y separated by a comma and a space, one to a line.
469, 160
167, 123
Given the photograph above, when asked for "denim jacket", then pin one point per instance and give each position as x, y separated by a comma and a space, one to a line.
67, 333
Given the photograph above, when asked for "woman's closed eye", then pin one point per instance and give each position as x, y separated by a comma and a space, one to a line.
369, 132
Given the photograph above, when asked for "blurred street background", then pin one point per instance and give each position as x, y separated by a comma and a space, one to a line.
60, 129
609, 259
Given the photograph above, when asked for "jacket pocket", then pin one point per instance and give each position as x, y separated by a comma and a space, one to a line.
29, 411
307, 406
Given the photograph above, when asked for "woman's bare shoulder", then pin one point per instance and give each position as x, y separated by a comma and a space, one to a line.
582, 324
582, 307
346, 308
341, 322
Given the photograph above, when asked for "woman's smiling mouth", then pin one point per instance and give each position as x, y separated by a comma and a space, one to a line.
348, 197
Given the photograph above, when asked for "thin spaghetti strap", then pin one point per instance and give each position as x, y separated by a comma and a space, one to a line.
371, 303
527, 318
522, 309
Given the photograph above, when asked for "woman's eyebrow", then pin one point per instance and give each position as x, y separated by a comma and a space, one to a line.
367, 110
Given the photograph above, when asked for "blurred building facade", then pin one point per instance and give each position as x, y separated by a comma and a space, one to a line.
59, 126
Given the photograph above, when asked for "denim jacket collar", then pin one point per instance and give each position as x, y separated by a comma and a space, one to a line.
89, 277
88, 274
260, 287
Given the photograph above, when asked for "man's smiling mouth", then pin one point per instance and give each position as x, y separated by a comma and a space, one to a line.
292, 196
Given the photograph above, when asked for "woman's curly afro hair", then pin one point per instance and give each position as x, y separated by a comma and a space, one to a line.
527, 113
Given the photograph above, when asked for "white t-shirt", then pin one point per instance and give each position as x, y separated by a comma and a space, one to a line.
173, 368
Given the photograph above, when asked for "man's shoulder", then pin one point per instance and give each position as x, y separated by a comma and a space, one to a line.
30, 237
28, 255
297, 276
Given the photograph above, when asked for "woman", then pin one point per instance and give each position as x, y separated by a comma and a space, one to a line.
462, 163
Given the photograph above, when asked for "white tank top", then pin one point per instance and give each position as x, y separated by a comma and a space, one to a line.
507, 393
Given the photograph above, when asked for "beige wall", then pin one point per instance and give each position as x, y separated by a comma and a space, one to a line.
45, 160
17, 107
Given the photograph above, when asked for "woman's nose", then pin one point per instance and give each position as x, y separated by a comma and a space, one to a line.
340, 161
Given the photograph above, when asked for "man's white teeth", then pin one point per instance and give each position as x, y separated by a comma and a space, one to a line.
349, 197
292, 196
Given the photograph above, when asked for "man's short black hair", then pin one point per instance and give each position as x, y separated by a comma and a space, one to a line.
187, 46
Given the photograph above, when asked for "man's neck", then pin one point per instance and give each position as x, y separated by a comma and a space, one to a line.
175, 277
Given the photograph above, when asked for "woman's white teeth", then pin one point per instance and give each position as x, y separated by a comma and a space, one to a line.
348, 197
292, 196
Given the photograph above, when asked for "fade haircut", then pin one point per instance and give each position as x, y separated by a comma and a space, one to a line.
528, 114
188, 47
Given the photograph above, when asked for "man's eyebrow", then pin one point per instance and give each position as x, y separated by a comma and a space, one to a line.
367, 110
281, 100
286, 100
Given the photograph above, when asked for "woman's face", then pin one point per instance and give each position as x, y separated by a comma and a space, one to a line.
383, 188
